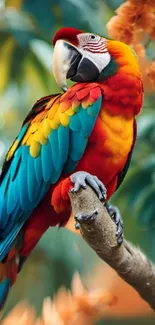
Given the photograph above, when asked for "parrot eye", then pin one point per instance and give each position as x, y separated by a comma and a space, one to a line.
93, 36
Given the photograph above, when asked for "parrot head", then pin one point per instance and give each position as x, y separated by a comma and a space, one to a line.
88, 57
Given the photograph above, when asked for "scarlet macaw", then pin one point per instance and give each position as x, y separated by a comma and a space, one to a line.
66, 138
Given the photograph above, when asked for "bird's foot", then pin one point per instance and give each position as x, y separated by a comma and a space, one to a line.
117, 218
82, 179
84, 219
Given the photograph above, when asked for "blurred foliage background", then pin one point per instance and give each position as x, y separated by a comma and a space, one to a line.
26, 30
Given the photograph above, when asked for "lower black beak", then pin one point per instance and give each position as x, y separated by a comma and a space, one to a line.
85, 71
81, 69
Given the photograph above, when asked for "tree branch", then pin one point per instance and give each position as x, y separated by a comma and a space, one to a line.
128, 261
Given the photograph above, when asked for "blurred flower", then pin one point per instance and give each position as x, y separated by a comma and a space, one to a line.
79, 306
139, 36
145, 64
148, 3
50, 316
151, 27
139, 49
119, 27
134, 20
150, 72
130, 18
21, 315
76, 307
106, 296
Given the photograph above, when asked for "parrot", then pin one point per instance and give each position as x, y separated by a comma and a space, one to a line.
84, 135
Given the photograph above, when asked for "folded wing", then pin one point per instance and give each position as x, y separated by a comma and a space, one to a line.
51, 142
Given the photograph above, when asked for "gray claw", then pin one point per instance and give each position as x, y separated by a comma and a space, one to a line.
85, 218
117, 218
81, 179
77, 225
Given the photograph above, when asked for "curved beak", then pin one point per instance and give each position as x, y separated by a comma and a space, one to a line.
65, 62
70, 62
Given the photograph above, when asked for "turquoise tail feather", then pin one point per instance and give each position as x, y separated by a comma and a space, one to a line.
4, 290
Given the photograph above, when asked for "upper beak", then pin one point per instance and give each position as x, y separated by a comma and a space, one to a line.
66, 58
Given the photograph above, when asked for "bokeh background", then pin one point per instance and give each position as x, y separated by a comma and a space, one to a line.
26, 30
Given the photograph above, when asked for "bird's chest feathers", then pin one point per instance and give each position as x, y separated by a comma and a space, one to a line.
113, 136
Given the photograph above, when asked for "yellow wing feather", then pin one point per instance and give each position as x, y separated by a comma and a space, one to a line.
49, 115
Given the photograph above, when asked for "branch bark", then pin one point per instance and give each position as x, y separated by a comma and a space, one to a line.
127, 260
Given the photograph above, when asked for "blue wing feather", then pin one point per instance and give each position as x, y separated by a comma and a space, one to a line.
77, 145
70, 165
22, 131
55, 176
63, 143
7, 242
47, 163
3, 220
38, 169
53, 138
15, 163
87, 122
78, 139
32, 182
16, 212
75, 123
11, 221
21, 179
11, 201
4, 289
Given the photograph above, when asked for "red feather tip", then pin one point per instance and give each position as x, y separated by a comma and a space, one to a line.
67, 33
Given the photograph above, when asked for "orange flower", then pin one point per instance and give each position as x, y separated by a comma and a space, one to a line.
65, 304
150, 29
91, 301
148, 3
50, 316
139, 36
79, 306
129, 10
150, 72
20, 315
83, 305
139, 49
135, 19
130, 18
119, 29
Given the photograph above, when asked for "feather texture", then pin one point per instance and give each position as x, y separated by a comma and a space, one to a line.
48, 144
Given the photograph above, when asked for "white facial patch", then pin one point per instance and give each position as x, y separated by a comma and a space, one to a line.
101, 60
93, 47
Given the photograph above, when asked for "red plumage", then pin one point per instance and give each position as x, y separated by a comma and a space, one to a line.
67, 33
98, 159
